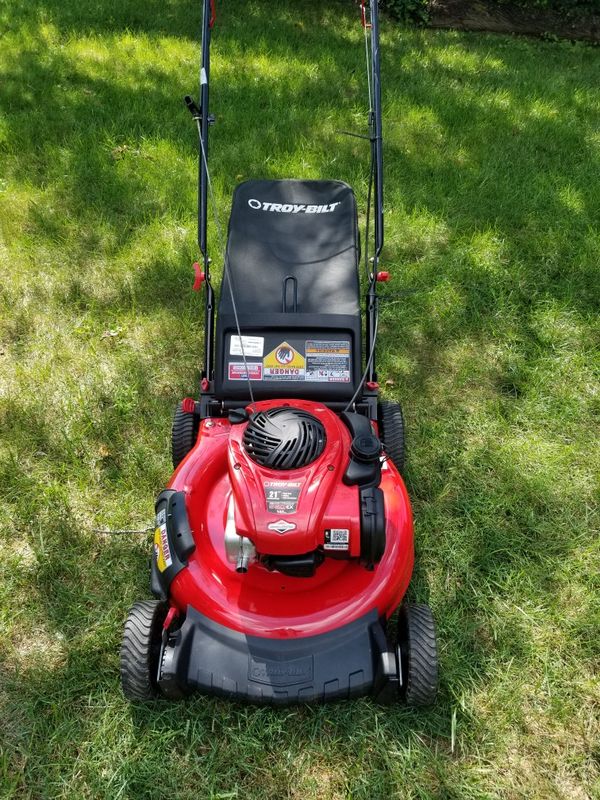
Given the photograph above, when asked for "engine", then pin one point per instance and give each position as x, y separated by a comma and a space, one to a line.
305, 487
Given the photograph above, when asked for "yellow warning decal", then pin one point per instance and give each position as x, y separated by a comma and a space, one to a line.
162, 551
284, 363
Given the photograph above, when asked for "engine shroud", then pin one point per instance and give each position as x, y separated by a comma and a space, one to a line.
284, 438
286, 467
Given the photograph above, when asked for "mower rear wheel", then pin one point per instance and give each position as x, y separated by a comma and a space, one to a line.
140, 650
391, 431
418, 653
183, 434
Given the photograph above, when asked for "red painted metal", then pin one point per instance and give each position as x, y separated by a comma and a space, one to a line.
267, 603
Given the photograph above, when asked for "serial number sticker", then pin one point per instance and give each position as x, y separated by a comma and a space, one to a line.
253, 346
327, 361
337, 539
238, 372
281, 497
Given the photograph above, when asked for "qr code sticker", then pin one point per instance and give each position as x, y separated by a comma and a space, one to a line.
339, 535
337, 539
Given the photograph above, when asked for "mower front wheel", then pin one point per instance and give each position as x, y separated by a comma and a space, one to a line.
140, 650
183, 434
418, 654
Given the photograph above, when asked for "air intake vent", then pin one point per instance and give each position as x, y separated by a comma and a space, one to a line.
284, 438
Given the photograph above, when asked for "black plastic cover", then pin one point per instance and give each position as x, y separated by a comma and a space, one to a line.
304, 229
342, 663
284, 438
298, 566
290, 330
175, 541
372, 526
292, 253
364, 467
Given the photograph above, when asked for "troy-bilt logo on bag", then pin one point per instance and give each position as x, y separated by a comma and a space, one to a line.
292, 208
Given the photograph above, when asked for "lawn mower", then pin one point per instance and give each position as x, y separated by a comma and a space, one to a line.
284, 540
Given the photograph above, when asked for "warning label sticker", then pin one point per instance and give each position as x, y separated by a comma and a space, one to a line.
284, 363
238, 372
337, 539
327, 361
281, 497
253, 346
162, 551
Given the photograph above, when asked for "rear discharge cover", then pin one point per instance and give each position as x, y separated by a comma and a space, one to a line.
292, 255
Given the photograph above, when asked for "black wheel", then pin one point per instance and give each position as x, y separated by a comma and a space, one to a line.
140, 650
418, 653
183, 434
391, 430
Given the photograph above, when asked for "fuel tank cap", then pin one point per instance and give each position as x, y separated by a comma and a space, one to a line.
366, 447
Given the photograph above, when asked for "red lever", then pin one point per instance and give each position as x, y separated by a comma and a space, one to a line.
188, 406
372, 386
169, 618
200, 277
363, 15
383, 277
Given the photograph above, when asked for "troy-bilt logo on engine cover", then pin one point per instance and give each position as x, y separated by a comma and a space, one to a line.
292, 208
281, 526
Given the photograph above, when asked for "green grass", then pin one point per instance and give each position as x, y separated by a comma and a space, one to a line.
489, 338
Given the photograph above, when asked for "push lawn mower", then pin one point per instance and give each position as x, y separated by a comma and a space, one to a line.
284, 541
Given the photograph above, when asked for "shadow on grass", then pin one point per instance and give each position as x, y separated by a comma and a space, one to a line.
549, 156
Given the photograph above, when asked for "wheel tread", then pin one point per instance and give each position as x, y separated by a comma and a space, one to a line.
391, 421
137, 679
422, 661
183, 435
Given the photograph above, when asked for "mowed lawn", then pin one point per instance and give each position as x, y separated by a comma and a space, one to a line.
489, 337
